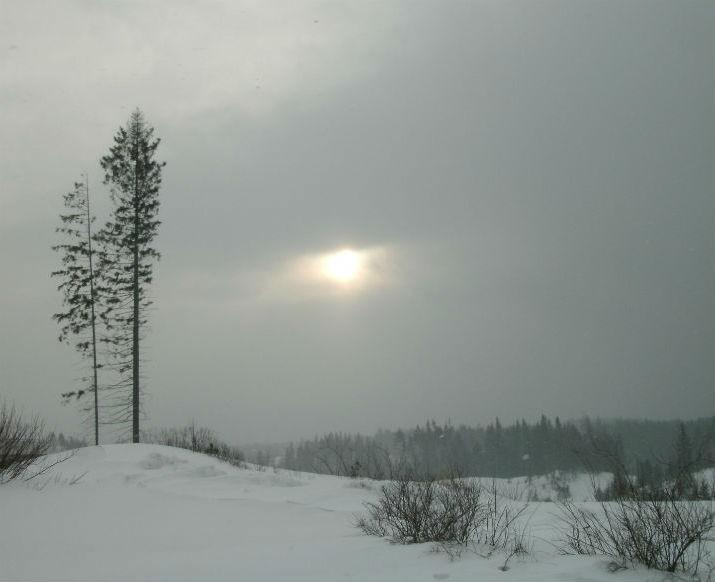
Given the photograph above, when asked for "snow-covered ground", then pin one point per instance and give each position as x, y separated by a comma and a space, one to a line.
147, 512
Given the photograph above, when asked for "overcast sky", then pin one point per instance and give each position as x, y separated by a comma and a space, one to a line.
532, 183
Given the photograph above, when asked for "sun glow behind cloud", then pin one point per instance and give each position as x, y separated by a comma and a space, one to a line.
336, 273
344, 267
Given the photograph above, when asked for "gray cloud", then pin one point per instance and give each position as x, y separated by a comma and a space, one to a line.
541, 172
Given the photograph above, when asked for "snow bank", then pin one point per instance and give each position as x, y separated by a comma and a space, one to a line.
147, 512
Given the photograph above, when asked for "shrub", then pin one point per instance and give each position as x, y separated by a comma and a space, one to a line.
658, 530
449, 512
416, 511
500, 528
22, 442
195, 438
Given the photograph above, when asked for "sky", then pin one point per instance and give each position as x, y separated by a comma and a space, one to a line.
530, 187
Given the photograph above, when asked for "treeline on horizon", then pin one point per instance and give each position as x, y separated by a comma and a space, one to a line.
519, 449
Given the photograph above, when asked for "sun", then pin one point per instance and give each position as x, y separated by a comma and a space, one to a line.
343, 266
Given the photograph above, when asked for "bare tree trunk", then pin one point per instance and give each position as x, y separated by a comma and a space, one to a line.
93, 322
135, 342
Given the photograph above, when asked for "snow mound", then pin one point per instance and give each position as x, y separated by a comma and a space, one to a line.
149, 512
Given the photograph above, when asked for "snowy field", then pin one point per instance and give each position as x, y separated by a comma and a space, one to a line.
146, 512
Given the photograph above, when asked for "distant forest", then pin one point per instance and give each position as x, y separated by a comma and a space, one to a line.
519, 449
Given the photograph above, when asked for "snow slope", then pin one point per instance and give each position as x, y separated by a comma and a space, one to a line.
147, 512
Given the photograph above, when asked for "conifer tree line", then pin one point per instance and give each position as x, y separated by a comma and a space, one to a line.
106, 274
520, 449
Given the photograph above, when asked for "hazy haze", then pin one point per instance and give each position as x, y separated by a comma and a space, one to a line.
534, 180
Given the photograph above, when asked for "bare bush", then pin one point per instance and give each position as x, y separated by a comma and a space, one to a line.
416, 511
22, 442
645, 520
228, 454
351, 456
658, 531
501, 527
199, 439
453, 513
191, 437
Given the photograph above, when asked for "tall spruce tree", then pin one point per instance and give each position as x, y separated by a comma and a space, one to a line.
79, 287
128, 257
